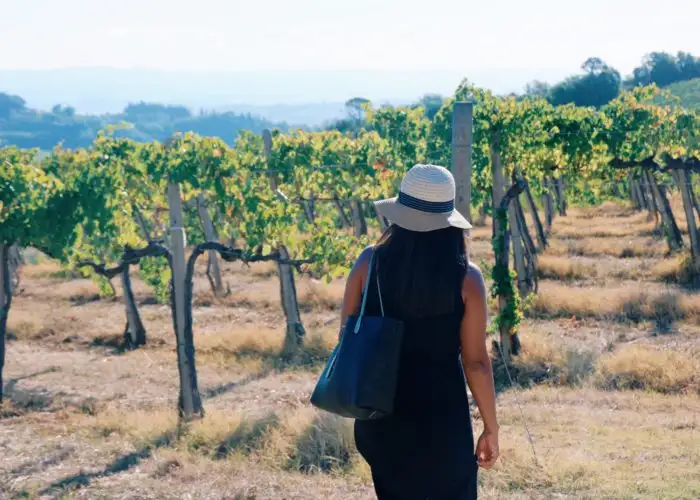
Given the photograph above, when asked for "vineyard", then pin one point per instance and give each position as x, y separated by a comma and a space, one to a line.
166, 307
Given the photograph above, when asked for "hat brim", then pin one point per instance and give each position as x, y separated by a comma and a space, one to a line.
416, 220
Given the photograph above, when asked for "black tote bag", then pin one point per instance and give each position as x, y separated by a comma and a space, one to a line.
359, 380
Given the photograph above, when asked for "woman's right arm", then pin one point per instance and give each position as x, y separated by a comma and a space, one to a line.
477, 363
352, 297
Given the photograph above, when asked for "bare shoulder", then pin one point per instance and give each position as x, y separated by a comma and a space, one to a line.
473, 284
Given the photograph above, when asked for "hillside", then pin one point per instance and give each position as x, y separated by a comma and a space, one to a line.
688, 92
26, 127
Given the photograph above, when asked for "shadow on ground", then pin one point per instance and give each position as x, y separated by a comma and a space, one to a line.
120, 464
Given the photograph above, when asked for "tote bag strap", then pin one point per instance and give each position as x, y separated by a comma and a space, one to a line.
366, 292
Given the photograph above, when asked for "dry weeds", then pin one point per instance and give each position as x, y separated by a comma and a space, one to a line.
621, 248
84, 421
565, 268
641, 367
626, 302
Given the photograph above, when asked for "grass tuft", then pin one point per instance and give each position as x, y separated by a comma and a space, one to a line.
639, 367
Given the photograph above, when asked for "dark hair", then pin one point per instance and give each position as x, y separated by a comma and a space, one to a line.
421, 273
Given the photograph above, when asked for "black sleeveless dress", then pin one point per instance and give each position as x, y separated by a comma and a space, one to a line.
425, 450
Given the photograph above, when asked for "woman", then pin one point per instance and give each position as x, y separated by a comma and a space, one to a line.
425, 450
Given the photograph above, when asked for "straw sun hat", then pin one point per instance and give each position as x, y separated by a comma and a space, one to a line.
426, 201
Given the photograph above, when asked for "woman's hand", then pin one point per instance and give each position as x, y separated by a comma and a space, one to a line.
487, 449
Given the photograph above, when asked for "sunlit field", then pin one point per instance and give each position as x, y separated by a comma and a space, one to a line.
608, 380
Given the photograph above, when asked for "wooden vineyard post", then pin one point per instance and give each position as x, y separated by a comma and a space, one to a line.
190, 402
518, 251
462, 121
548, 202
692, 195
561, 195
358, 218
5, 302
641, 193
135, 332
342, 216
295, 332
681, 177
498, 181
673, 233
634, 197
506, 295
539, 229
213, 269
654, 209
16, 261
547, 211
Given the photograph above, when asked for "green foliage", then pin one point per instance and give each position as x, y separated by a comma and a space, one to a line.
504, 282
113, 193
663, 69
155, 272
598, 85
36, 208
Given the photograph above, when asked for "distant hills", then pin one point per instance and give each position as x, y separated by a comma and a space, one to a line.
26, 127
42, 108
688, 92
296, 97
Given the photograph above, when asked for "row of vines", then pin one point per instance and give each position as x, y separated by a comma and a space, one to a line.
303, 199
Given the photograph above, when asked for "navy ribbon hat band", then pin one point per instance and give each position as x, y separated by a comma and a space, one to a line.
433, 207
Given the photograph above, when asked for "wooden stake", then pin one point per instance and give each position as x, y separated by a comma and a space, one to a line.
344, 221
509, 342
673, 233
295, 333
135, 333
462, 122
561, 195
654, 209
539, 229
178, 244
358, 219
529, 243
634, 197
682, 180
518, 252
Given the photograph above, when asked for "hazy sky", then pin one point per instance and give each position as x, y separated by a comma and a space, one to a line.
330, 34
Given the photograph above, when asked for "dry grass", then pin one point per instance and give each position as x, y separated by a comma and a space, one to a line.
601, 229
314, 295
48, 269
260, 439
621, 303
259, 348
621, 248
302, 440
677, 270
593, 444
542, 361
564, 268
640, 367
